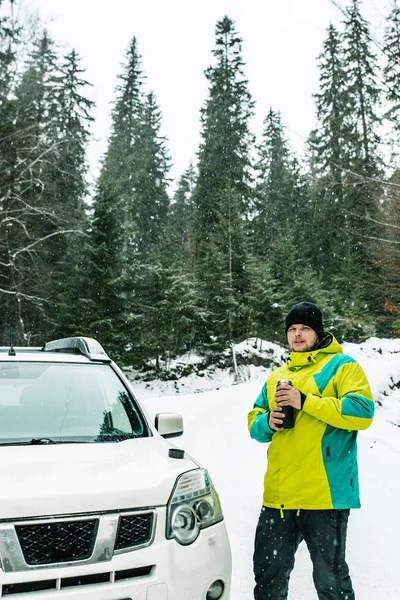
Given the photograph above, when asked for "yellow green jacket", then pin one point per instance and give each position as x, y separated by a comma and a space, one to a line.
314, 465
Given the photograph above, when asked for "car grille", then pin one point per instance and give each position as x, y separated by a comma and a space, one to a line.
66, 540
134, 530
58, 542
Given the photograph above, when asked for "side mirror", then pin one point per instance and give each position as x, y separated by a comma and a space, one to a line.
169, 424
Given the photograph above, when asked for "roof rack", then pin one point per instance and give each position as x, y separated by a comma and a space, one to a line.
78, 345
16, 349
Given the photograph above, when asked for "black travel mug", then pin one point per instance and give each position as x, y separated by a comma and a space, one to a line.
288, 411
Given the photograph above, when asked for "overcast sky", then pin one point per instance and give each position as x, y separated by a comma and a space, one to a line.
281, 41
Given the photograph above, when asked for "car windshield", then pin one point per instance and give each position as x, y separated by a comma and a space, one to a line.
60, 403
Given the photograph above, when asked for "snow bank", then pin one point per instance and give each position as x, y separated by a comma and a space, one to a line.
193, 373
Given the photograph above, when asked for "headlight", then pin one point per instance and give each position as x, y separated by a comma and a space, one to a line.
194, 505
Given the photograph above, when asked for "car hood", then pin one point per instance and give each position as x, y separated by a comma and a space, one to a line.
80, 478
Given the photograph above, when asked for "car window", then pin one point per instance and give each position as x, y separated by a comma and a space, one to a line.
61, 402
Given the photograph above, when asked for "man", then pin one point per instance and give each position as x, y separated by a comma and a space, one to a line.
311, 481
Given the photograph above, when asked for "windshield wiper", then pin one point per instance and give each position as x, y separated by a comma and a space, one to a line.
43, 441
33, 442
39, 441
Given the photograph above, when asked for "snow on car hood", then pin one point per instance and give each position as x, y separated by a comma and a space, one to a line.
78, 478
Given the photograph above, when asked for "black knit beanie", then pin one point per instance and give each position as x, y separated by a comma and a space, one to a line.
305, 313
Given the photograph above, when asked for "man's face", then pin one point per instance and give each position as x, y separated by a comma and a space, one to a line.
301, 338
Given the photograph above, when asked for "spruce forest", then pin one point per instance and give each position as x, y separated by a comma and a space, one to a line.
250, 227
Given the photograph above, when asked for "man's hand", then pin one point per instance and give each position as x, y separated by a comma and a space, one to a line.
276, 418
286, 395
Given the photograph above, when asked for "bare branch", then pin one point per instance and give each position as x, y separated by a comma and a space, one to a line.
370, 237
46, 237
18, 222
25, 296
349, 212
29, 210
17, 133
40, 157
366, 178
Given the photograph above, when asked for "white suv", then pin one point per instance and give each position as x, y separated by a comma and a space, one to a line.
94, 503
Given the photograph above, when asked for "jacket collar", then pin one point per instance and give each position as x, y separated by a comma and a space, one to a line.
328, 345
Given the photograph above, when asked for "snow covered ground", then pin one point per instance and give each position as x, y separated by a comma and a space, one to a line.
215, 417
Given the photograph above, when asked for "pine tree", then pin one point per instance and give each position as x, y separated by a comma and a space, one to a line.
110, 241
104, 273
330, 139
151, 202
129, 217
183, 311
74, 130
330, 145
179, 302
119, 168
38, 112
265, 313
345, 160
165, 313
280, 202
391, 78
180, 223
363, 90
363, 190
223, 192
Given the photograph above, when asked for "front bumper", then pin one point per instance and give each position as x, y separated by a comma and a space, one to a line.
165, 570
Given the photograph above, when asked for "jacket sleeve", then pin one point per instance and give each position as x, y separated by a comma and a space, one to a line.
258, 418
351, 408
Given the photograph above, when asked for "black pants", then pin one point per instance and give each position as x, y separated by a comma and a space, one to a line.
277, 540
